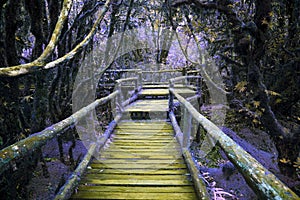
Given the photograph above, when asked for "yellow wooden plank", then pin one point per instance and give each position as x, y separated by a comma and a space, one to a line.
122, 195
164, 92
158, 92
136, 177
114, 150
143, 137
133, 182
131, 189
142, 154
145, 143
146, 126
141, 131
124, 146
139, 161
138, 171
143, 140
138, 166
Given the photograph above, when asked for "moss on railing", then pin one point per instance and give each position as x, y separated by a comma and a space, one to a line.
68, 188
35, 141
261, 180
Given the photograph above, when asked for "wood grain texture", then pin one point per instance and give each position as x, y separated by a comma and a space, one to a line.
142, 161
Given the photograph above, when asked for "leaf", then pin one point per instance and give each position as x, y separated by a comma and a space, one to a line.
255, 121
28, 98
256, 104
297, 163
241, 86
278, 101
272, 93
284, 160
265, 21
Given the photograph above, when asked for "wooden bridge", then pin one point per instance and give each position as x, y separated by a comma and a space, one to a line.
144, 152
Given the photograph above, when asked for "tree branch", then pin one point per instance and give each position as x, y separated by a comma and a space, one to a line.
39, 65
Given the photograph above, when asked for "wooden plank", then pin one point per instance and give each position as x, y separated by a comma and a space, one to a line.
138, 125
138, 171
141, 131
136, 177
143, 137
142, 140
143, 153
168, 146
122, 156
138, 166
162, 86
155, 92
122, 195
131, 189
114, 150
165, 92
139, 161
144, 143
124, 122
147, 108
132, 182
144, 127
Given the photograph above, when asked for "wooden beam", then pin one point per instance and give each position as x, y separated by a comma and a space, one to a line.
199, 185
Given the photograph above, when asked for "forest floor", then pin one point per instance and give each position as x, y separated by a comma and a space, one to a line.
219, 172
45, 188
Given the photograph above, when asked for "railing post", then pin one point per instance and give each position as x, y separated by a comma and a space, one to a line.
119, 98
171, 96
187, 125
199, 91
140, 78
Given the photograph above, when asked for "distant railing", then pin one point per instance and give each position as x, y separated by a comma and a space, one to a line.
262, 181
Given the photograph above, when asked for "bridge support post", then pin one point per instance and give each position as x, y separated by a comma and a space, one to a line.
171, 97
187, 126
119, 98
140, 79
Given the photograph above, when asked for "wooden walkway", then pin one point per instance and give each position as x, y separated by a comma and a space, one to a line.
143, 159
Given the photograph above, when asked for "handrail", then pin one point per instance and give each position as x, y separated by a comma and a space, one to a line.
123, 70
68, 188
163, 71
37, 140
180, 78
126, 79
261, 180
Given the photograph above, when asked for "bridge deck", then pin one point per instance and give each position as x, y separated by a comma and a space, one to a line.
142, 161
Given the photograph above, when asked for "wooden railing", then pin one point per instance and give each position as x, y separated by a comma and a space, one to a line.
68, 188
18, 150
260, 179
263, 182
37, 140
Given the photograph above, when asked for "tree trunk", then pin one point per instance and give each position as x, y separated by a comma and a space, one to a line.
283, 140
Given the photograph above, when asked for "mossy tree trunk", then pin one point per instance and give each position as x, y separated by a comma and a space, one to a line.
11, 121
